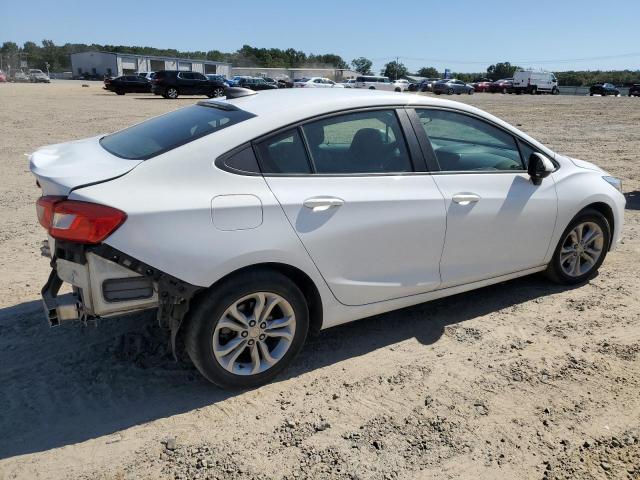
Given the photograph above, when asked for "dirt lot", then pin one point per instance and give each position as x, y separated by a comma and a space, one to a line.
520, 380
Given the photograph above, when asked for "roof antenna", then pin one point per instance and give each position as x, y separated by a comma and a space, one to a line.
237, 92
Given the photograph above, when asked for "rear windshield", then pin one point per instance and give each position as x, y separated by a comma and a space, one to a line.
164, 133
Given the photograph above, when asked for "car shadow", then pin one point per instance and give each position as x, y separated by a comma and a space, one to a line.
633, 200
69, 384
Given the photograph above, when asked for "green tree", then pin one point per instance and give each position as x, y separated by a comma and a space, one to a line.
362, 65
428, 72
394, 70
501, 70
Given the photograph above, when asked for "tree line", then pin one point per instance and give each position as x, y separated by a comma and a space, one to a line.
58, 58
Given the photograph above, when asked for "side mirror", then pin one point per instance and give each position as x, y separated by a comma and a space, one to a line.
539, 167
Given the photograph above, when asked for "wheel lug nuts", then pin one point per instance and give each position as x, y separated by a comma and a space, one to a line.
252, 323
244, 334
263, 325
263, 336
250, 342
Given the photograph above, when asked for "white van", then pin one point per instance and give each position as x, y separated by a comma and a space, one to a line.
373, 82
532, 81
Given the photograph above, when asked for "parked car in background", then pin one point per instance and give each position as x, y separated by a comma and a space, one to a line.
127, 84
402, 83
481, 85
148, 75
349, 83
38, 76
603, 89
219, 78
256, 84
233, 81
20, 77
318, 82
285, 82
426, 85
373, 82
250, 223
634, 90
172, 83
271, 81
503, 85
3, 77
534, 82
451, 86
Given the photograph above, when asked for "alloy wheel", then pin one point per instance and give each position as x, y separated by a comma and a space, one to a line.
172, 93
254, 333
581, 249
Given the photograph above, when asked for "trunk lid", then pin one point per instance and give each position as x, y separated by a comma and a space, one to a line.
63, 167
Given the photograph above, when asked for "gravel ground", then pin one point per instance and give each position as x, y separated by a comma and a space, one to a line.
523, 379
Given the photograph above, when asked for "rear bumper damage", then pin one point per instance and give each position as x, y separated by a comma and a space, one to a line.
106, 282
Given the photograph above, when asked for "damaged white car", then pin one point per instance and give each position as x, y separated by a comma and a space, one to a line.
255, 221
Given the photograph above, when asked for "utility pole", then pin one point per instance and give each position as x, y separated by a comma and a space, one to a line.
397, 63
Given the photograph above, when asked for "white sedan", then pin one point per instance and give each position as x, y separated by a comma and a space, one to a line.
253, 222
318, 82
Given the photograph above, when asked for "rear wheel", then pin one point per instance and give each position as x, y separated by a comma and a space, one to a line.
171, 92
450, 91
372, 88
119, 92
218, 92
555, 91
247, 330
582, 248
534, 90
470, 92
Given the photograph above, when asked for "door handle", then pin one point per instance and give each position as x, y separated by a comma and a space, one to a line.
321, 204
466, 198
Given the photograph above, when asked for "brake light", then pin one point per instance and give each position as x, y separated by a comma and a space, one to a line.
76, 221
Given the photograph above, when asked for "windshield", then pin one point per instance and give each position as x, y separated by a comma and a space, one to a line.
164, 133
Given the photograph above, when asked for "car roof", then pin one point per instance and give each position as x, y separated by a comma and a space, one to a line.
276, 109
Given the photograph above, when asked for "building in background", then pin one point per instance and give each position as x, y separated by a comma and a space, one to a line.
336, 74
112, 64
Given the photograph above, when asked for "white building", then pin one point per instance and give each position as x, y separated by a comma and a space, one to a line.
337, 74
116, 64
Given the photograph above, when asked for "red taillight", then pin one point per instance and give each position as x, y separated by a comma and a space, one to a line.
76, 221
44, 209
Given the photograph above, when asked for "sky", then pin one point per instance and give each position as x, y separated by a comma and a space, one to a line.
462, 35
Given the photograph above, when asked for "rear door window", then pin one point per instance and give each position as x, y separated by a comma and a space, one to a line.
284, 153
164, 133
360, 142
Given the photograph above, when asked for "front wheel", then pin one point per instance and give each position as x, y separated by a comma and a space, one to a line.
582, 248
450, 91
247, 330
120, 92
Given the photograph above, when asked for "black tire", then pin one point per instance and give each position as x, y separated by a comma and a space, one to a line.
534, 91
171, 92
555, 91
554, 270
119, 92
504, 91
470, 92
372, 88
218, 92
398, 90
207, 312
450, 91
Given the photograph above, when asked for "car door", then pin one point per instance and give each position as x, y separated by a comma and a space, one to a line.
498, 221
201, 84
359, 200
185, 82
